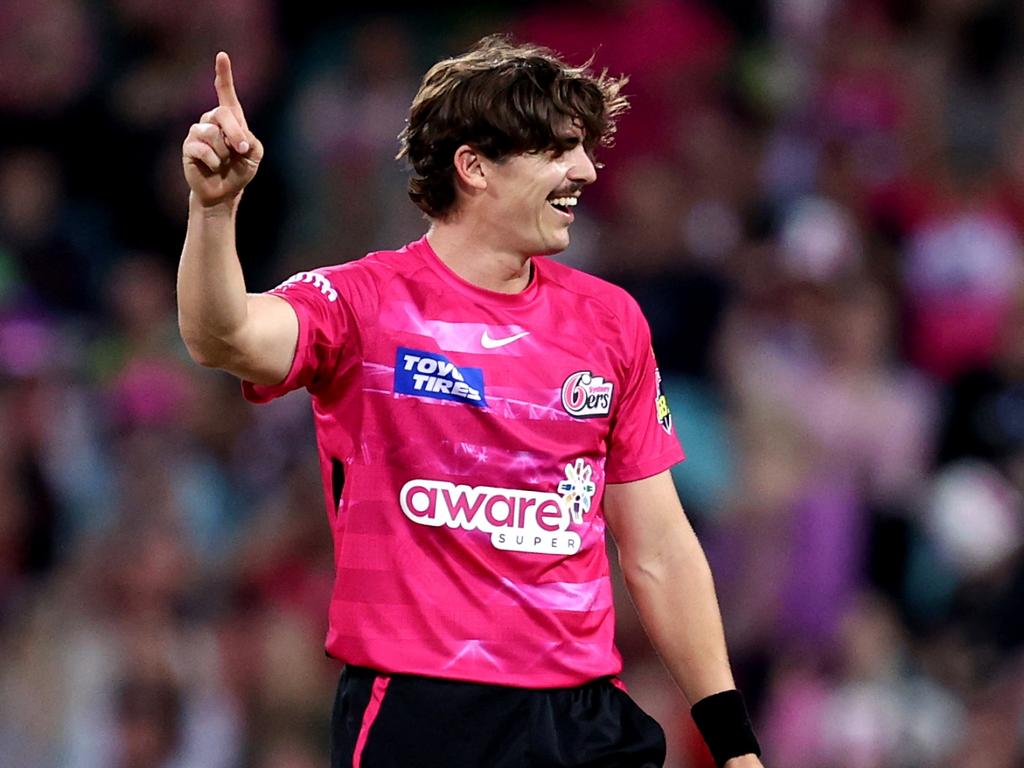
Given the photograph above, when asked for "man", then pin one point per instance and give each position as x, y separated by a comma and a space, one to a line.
482, 412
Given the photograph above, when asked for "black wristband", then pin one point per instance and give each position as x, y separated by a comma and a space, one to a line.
723, 721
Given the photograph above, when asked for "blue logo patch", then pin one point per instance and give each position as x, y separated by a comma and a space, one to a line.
428, 374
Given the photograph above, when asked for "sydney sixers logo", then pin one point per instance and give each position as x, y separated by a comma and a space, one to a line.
587, 396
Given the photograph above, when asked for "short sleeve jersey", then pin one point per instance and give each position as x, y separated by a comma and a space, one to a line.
465, 438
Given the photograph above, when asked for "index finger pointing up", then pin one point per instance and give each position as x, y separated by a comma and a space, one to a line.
224, 82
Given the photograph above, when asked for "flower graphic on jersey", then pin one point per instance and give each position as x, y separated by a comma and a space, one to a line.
577, 489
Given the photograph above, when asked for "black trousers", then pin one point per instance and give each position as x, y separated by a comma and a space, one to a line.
405, 721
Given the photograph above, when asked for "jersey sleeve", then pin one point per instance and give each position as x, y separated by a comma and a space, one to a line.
643, 437
325, 328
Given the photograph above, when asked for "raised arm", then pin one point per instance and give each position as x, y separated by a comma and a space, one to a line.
670, 582
252, 336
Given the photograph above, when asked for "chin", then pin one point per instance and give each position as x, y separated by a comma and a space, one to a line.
550, 250
553, 246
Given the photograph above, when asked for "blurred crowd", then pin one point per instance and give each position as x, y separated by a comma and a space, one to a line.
819, 205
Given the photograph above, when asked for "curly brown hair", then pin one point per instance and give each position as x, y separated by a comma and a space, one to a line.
502, 98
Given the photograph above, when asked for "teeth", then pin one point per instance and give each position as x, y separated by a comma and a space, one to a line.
568, 202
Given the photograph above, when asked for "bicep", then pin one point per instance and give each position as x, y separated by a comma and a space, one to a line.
263, 349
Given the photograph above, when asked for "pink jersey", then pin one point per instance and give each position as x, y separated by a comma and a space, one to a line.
471, 434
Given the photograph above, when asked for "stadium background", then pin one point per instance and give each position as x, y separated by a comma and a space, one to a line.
820, 206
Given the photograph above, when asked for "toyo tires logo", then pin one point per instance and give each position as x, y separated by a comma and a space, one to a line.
586, 396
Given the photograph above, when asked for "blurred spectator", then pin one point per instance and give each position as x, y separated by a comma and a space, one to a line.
963, 271
346, 117
167, 73
671, 51
985, 417
49, 55
644, 252
149, 722
57, 268
820, 206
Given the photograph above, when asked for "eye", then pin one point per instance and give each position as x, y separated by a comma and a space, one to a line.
566, 144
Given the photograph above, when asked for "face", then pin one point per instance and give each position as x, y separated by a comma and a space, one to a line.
527, 205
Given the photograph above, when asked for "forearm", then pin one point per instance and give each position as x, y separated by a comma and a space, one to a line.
674, 594
212, 301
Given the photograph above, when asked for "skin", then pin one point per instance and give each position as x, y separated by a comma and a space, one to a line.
251, 336
502, 219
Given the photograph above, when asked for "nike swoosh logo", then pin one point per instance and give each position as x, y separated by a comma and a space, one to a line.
488, 343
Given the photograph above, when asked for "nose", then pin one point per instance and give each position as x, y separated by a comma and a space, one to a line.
582, 168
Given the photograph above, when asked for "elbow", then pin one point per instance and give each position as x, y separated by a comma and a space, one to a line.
205, 360
201, 355
666, 569
203, 350
639, 571
642, 573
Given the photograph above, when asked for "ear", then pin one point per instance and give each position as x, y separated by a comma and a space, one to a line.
469, 168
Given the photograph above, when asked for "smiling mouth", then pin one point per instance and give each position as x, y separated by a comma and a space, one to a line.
563, 204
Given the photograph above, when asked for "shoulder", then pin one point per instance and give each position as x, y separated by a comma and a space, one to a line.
375, 264
359, 279
594, 292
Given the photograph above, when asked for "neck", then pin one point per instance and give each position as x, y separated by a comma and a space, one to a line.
469, 255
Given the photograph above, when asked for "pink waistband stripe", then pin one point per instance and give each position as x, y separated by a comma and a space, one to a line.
380, 686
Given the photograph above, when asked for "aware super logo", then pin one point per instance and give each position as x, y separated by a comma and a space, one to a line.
516, 519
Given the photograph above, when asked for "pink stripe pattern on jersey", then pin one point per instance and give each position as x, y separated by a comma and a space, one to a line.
453, 336
380, 687
476, 431
593, 595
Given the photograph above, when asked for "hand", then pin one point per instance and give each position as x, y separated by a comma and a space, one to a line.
220, 153
744, 761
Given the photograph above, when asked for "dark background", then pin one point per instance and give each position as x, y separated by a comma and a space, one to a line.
820, 207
